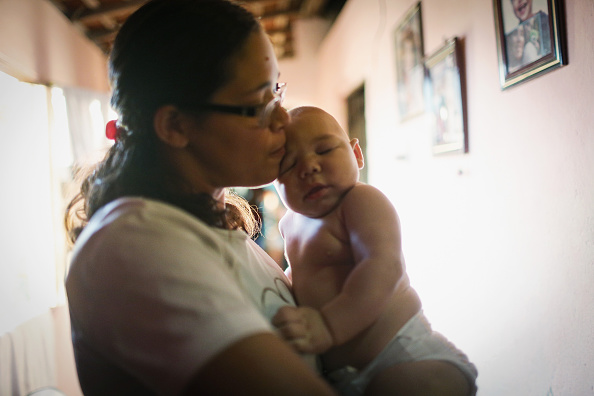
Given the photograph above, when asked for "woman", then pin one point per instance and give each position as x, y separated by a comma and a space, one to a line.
167, 292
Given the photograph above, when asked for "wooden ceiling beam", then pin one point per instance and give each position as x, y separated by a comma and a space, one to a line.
310, 8
263, 2
288, 14
101, 21
112, 10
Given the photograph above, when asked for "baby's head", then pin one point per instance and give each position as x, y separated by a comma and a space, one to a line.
321, 164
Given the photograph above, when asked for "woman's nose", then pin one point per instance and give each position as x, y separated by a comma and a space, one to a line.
280, 118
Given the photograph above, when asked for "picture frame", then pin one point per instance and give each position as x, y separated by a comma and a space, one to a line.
447, 98
530, 39
410, 69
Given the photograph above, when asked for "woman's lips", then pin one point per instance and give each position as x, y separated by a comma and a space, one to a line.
279, 152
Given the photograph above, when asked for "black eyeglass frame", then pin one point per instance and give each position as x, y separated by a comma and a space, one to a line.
244, 111
249, 111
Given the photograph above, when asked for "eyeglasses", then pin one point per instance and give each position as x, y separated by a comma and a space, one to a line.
263, 112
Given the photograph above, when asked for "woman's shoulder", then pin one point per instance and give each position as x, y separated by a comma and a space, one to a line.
142, 225
144, 213
139, 236
125, 207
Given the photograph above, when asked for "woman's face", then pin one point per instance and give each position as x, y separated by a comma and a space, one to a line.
232, 150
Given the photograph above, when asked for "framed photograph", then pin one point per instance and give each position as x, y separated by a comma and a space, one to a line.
410, 71
530, 38
445, 69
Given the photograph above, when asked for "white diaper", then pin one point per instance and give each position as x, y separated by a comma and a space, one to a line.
414, 342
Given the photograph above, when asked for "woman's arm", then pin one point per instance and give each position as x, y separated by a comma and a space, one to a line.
260, 364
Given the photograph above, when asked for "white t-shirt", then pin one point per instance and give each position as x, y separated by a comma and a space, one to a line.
154, 293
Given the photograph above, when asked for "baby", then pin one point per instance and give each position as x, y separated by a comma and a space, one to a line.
343, 245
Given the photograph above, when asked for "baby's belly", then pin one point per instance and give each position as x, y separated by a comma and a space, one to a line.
315, 286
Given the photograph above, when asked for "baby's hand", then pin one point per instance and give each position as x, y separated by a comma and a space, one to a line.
304, 328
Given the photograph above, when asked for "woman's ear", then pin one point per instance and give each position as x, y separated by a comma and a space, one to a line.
171, 126
358, 152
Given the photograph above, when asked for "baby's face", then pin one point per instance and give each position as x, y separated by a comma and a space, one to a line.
320, 165
522, 9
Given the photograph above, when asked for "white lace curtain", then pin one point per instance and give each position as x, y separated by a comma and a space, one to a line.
88, 112
43, 132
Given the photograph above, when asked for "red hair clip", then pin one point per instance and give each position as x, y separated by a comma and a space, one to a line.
111, 130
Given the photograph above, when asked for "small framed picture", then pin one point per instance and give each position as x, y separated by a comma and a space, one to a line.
447, 98
530, 38
410, 71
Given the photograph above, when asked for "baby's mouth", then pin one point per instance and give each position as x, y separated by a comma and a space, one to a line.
315, 192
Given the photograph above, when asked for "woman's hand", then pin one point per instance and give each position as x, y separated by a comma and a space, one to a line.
304, 328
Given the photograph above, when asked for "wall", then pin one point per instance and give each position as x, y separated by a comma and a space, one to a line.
38, 44
500, 241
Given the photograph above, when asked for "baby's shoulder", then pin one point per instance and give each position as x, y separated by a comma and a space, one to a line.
367, 202
365, 193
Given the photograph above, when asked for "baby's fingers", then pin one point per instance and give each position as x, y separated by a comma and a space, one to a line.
287, 315
291, 331
301, 345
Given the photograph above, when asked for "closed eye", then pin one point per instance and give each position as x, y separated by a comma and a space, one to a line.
324, 150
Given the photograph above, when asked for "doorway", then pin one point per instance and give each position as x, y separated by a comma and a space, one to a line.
356, 122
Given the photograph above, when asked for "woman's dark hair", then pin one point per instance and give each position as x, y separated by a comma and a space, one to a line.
169, 52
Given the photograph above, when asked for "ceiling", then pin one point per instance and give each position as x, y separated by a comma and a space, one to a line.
100, 20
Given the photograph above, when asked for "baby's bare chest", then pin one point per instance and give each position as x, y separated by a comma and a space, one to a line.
320, 256
319, 243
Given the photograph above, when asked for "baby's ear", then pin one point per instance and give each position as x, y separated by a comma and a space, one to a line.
170, 126
358, 152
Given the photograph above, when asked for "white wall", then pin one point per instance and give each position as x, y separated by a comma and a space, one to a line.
500, 241
38, 44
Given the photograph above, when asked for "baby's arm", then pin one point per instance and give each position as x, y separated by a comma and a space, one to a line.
374, 233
